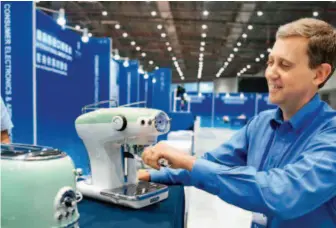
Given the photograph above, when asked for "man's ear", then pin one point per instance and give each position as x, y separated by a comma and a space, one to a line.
322, 73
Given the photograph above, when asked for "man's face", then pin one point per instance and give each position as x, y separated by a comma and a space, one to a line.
289, 78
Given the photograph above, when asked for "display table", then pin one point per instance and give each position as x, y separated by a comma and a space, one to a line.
166, 214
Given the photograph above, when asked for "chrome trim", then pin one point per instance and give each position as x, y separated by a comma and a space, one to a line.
89, 106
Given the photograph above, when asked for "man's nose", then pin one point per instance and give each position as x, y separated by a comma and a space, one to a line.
271, 73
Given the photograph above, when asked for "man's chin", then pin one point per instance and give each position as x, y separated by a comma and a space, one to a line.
274, 100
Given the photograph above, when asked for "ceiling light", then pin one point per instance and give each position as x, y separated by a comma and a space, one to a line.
154, 81
204, 35
231, 55
151, 62
202, 43
238, 44
156, 68
260, 13
205, 13
238, 74
163, 35
235, 49
244, 35
229, 59
159, 27
125, 34
182, 78
169, 48
138, 48
117, 26
315, 14
143, 54
133, 43
104, 13
201, 48
90, 34
204, 26
257, 59
61, 17
250, 27
153, 13
262, 56
201, 54
167, 43
226, 63
269, 50
146, 76
77, 27
174, 58
244, 69
248, 66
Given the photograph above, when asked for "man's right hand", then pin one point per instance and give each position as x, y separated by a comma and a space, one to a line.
143, 175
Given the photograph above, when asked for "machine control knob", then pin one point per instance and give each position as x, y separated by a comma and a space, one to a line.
119, 123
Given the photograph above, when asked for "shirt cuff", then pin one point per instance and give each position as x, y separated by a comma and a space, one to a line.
157, 176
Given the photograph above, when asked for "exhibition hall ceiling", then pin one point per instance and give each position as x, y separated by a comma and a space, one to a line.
199, 40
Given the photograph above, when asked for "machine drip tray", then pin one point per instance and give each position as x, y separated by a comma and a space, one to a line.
140, 191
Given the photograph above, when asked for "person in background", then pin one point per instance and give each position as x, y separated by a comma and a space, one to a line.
6, 124
180, 93
282, 164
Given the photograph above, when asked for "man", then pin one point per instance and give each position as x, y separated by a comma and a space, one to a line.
282, 164
6, 124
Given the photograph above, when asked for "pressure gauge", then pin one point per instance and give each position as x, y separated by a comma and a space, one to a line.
162, 122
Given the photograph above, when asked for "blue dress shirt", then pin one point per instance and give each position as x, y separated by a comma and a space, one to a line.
285, 170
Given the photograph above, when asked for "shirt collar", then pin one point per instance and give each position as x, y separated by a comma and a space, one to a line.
301, 116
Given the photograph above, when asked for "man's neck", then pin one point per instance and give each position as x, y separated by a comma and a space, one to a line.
288, 111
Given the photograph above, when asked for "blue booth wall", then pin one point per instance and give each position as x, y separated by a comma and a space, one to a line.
17, 67
263, 102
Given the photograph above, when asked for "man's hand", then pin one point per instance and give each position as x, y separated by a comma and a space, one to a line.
5, 139
143, 175
176, 158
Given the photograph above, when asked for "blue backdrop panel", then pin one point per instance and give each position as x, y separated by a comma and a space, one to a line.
128, 82
150, 90
17, 67
235, 104
161, 89
201, 104
63, 91
263, 103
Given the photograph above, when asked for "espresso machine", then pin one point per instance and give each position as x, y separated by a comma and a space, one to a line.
113, 137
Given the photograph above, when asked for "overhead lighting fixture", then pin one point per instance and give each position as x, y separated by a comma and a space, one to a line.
238, 74
169, 48
238, 44
117, 26
153, 80
151, 62
201, 48
163, 35
235, 49
205, 13
201, 55
231, 55
244, 35
182, 78
61, 17
146, 76
204, 35
125, 34
159, 27
248, 66
262, 56
226, 63
257, 59
167, 43
138, 48
156, 68
204, 26
315, 13
269, 50
104, 13
153, 13
250, 27
202, 43
77, 27
85, 37
260, 13
174, 58
133, 43
229, 59
126, 63
90, 34
143, 54
244, 69
200, 58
